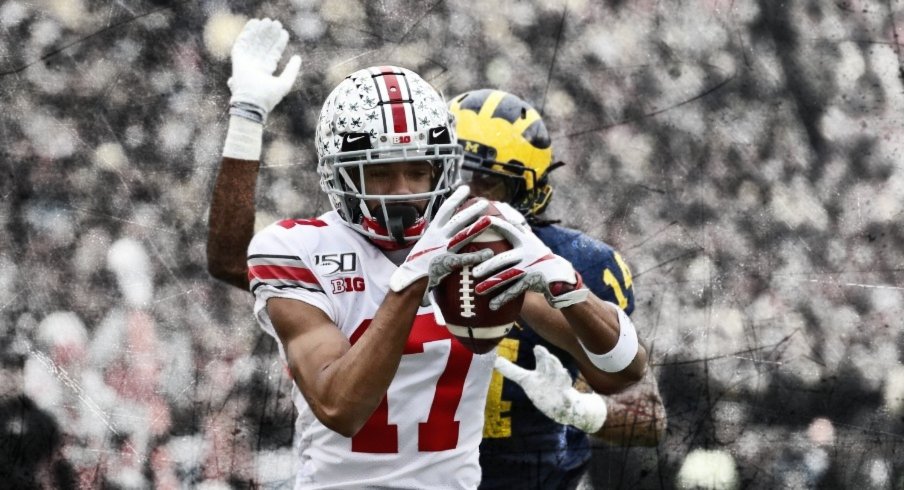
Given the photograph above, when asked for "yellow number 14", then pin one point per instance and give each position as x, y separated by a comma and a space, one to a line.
612, 282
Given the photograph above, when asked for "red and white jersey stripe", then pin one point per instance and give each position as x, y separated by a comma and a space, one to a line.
280, 271
426, 431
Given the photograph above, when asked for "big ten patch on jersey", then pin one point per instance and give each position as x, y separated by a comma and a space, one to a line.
319, 255
341, 269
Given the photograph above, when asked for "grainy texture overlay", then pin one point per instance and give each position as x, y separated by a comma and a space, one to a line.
745, 157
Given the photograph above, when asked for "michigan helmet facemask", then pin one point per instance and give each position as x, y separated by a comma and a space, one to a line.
377, 116
504, 137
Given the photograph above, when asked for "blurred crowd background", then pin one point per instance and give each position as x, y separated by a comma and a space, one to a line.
744, 156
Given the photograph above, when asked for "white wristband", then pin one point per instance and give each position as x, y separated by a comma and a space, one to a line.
244, 139
625, 349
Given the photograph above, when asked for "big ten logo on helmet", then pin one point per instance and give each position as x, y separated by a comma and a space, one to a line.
330, 264
401, 139
347, 284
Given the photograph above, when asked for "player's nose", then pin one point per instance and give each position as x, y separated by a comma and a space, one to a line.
399, 184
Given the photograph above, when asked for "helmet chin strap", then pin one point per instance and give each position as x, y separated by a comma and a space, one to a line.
401, 216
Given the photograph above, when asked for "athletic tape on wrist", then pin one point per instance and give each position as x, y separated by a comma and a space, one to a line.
248, 111
244, 139
625, 349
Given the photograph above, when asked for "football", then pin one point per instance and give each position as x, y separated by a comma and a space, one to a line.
468, 316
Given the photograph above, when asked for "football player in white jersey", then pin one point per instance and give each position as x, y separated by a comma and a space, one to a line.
386, 396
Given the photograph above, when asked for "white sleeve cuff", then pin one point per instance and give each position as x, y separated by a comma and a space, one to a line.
244, 139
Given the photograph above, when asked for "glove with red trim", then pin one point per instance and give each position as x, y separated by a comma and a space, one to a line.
529, 266
434, 254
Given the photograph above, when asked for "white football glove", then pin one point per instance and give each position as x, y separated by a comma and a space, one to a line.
257, 50
549, 387
434, 253
529, 266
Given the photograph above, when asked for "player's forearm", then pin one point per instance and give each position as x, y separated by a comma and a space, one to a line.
349, 389
231, 221
636, 416
255, 92
596, 324
627, 428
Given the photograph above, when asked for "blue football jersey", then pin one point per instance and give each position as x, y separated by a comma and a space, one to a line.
522, 447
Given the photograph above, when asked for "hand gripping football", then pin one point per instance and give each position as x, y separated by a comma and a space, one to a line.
468, 316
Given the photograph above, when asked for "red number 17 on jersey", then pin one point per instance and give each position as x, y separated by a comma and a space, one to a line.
440, 431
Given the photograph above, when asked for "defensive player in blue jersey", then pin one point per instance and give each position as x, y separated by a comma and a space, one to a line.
536, 422
535, 433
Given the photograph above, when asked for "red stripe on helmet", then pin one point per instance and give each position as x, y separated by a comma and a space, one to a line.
394, 90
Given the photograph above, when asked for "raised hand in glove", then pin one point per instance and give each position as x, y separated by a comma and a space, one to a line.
529, 266
549, 387
434, 254
257, 50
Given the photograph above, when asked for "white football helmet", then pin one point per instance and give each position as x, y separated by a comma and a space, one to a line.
384, 115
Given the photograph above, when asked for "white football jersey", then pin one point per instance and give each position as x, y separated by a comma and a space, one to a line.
426, 431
